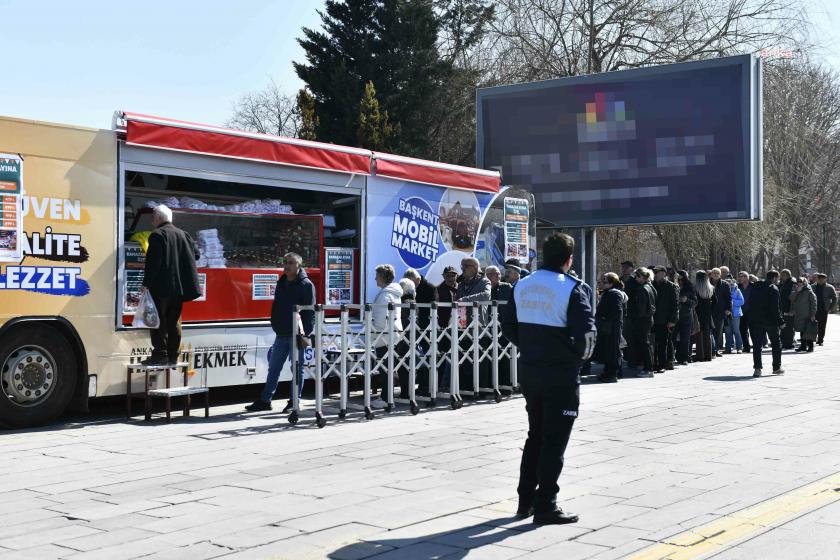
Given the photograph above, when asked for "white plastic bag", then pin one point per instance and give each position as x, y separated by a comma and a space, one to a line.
146, 316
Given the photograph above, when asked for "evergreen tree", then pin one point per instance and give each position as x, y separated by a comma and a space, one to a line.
374, 131
308, 118
390, 42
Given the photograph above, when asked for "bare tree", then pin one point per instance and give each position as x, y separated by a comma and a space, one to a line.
269, 111
802, 153
539, 39
543, 39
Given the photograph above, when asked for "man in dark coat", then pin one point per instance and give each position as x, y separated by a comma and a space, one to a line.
424, 292
171, 278
628, 279
294, 288
786, 288
501, 292
641, 309
446, 292
722, 309
665, 318
765, 319
826, 300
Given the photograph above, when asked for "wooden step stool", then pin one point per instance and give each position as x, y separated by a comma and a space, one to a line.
168, 393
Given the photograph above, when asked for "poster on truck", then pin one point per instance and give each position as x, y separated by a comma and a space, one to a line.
428, 227
11, 221
339, 275
516, 229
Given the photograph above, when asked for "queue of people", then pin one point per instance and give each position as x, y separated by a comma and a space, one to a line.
653, 319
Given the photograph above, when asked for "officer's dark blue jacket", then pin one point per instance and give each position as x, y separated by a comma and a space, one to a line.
548, 318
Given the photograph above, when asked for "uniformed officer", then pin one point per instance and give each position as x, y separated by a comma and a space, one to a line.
550, 319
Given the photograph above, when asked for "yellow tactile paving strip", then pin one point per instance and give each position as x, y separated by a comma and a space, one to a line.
713, 537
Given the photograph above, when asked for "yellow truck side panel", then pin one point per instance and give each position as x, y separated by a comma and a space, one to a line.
70, 194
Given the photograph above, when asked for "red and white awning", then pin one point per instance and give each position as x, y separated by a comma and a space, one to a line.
172, 134
435, 173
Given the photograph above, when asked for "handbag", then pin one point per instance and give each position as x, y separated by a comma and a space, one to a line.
695, 326
811, 330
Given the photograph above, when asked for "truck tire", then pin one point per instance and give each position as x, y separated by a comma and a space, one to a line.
38, 374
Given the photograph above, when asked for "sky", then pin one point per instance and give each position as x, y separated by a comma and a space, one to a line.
78, 62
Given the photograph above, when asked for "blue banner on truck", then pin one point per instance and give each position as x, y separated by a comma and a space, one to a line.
428, 227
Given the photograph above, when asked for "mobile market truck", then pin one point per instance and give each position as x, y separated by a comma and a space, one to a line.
76, 216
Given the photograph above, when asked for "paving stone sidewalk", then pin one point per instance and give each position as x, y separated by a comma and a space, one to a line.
649, 458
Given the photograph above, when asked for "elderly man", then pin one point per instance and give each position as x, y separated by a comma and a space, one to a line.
514, 272
473, 285
424, 292
499, 291
171, 278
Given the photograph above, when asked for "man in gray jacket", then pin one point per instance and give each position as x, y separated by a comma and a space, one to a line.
473, 285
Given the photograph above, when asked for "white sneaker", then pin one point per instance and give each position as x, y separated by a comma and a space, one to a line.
779, 371
756, 372
378, 403
644, 373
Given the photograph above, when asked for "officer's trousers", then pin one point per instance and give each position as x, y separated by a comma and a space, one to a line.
552, 409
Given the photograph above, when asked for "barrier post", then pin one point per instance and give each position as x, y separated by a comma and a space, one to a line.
391, 316
454, 377
412, 358
476, 350
433, 354
494, 317
344, 349
368, 349
319, 369
514, 374
294, 415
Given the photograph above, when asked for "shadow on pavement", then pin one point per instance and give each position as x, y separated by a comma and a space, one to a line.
111, 411
437, 545
730, 378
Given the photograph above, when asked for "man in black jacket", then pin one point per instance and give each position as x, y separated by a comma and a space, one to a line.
550, 319
665, 318
826, 300
641, 309
424, 292
171, 278
722, 309
765, 319
786, 288
294, 288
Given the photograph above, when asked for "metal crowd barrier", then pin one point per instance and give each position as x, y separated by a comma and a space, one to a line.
470, 343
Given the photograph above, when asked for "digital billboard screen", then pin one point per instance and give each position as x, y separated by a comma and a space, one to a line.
666, 144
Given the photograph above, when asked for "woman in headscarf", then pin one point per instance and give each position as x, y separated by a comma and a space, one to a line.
685, 323
609, 320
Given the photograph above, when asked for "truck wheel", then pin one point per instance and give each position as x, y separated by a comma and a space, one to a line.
38, 375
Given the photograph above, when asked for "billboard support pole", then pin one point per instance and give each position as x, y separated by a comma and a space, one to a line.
590, 266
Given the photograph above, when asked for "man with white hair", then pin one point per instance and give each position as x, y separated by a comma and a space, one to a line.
171, 278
